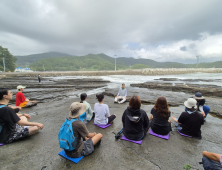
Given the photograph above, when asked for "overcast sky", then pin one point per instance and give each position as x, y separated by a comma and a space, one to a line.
172, 30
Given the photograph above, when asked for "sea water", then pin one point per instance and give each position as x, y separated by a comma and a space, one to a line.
117, 80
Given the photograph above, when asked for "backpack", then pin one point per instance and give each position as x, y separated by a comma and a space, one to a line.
66, 136
0, 125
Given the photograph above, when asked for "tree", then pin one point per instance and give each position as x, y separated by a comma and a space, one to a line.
9, 60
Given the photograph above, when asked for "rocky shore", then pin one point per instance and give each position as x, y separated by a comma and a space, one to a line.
40, 151
54, 96
206, 90
51, 89
175, 99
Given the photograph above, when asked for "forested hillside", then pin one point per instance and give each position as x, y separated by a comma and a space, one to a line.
54, 61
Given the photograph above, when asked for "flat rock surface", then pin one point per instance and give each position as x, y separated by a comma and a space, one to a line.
40, 151
206, 90
149, 96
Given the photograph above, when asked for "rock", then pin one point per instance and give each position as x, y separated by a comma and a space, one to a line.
206, 90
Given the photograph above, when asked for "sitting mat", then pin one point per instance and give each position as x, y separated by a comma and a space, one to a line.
134, 141
1, 144
160, 136
102, 126
183, 134
75, 160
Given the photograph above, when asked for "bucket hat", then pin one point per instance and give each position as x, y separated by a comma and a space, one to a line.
76, 109
191, 102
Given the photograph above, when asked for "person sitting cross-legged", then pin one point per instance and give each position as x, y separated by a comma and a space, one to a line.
135, 120
201, 107
14, 126
21, 100
102, 115
80, 131
89, 112
212, 161
160, 117
121, 96
190, 121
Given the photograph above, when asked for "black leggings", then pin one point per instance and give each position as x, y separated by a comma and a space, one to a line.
111, 118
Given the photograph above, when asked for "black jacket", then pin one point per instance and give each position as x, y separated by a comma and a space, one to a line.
135, 123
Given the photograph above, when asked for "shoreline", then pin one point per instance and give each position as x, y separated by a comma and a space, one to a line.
150, 71
54, 97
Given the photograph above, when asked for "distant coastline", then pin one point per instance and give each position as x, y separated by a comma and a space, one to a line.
148, 71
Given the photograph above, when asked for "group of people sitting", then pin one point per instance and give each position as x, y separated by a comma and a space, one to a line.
14, 126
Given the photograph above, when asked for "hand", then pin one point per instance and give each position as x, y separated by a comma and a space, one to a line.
203, 113
94, 133
116, 96
86, 138
27, 116
27, 99
18, 107
125, 97
40, 125
174, 118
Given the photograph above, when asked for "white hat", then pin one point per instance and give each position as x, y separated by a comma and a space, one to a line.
191, 102
20, 87
76, 109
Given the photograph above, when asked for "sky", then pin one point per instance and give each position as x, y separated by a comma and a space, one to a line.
172, 30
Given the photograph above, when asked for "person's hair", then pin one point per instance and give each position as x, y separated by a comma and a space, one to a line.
83, 96
191, 109
100, 97
3, 91
135, 102
123, 84
162, 107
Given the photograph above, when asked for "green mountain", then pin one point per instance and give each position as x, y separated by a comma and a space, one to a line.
54, 61
23, 61
89, 62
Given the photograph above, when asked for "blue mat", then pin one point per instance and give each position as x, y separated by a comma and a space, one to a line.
75, 160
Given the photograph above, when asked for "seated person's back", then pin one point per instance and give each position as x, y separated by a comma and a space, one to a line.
191, 123
135, 120
79, 131
101, 114
160, 123
82, 148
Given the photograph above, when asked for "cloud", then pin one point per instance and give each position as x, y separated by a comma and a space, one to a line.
184, 48
147, 29
207, 46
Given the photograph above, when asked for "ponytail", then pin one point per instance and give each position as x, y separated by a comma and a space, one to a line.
83, 96
100, 97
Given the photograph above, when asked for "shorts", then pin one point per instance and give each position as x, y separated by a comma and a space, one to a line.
88, 147
20, 133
